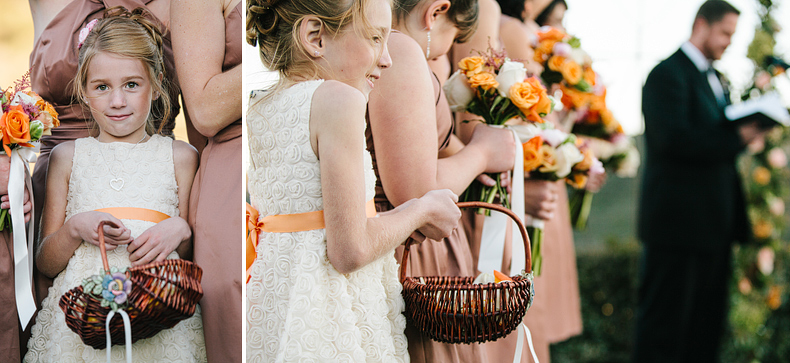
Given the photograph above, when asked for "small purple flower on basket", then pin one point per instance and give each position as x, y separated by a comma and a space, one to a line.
117, 287
85, 31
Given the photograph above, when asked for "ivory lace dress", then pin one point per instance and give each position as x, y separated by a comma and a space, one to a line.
299, 308
149, 182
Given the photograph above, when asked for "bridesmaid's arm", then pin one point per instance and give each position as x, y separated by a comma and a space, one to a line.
211, 96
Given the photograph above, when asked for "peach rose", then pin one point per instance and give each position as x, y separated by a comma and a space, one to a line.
744, 286
551, 34
572, 98
548, 159
577, 180
774, 297
531, 98
571, 72
533, 157
763, 229
16, 127
589, 76
587, 162
46, 107
556, 62
471, 65
483, 79
543, 50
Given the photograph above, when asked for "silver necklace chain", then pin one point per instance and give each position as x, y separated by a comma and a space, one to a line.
117, 182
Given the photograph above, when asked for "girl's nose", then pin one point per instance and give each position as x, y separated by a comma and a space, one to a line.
385, 61
117, 98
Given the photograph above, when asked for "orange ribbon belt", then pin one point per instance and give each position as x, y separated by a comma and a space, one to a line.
141, 214
284, 223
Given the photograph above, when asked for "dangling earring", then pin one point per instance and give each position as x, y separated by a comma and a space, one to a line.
428, 48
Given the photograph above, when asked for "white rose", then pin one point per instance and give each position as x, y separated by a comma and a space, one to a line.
23, 98
553, 137
458, 92
630, 164
580, 57
526, 132
568, 155
509, 74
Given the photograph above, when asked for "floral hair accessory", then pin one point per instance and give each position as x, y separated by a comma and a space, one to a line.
85, 31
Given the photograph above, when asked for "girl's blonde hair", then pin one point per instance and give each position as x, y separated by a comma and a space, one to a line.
131, 35
273, 25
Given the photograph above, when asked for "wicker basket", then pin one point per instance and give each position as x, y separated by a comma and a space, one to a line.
162, 294
454, 310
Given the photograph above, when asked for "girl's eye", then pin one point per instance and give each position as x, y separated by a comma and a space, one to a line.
376, 39
132, 85
102, 87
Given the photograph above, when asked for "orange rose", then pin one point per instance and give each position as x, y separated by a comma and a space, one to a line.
586, 163
761, 176
16, 127
531, 98
552, 34
483, 79
533, 158
471, 65
589, 76
763, 229
45, 106
774, 299
573, 98
543, 50
556, 62
577, 180
571, 71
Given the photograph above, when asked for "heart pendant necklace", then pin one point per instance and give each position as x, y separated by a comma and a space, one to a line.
117, 183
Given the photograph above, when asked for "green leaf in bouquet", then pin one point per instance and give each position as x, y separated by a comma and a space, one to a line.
575, 42
583, 86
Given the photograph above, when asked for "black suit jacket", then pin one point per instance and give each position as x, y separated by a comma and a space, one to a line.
691, 193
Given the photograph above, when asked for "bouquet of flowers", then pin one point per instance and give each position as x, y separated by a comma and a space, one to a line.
563, 60
550, 154
496, 89
605, 136
25, 118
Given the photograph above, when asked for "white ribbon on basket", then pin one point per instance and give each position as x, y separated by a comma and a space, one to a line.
23, 246
127, 331
492, 241
520, 344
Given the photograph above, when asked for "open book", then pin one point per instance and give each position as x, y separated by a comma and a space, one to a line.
768, 110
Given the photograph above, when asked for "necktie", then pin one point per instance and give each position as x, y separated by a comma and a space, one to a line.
715, 85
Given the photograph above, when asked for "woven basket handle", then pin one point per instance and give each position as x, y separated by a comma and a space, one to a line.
103, 247
498, 208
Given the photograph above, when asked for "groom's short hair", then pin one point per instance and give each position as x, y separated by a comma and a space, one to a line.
713, 11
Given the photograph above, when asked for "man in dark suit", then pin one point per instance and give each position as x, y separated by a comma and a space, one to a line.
692, 206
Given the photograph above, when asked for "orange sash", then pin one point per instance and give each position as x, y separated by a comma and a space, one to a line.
141, 214
284, 223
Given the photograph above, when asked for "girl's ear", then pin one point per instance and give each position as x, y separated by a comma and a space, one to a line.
311, 33
434, 11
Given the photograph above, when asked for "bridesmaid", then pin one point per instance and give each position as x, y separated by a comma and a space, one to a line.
207, 46
407, 131
53, 65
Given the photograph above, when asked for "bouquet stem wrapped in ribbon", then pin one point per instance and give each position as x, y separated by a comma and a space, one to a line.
25, 118
497, 89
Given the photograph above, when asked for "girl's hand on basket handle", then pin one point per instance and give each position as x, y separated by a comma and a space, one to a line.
441, 213
86, 226
157, 242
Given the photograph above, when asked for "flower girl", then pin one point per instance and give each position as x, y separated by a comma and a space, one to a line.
324, 285
123, 168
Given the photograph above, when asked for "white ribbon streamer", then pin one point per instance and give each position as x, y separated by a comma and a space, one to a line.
492, 241
127, 330
520, 344
23, 256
